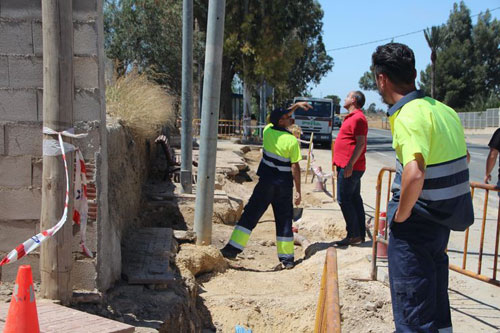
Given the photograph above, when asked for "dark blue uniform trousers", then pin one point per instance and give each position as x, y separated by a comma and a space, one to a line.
418, 274
351, 203
265, 194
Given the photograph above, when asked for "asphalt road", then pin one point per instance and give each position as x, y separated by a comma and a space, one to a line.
380, 148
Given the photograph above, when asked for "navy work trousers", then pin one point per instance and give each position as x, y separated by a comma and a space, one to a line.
280, 197
418, 275
351, 203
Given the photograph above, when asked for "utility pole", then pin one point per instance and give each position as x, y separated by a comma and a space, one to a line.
263, 114
58, 92
209, 122
187, 98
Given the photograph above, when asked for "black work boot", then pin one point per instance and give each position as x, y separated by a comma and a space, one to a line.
229, 251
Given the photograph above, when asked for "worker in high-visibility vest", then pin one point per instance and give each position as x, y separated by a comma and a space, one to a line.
431, 193
278, 171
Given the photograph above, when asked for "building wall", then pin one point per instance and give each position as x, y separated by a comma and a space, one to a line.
21, 118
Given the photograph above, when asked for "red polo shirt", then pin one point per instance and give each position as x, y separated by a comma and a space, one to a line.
354, 124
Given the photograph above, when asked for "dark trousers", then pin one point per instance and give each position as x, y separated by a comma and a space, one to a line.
351, 203
280, 197
418, 275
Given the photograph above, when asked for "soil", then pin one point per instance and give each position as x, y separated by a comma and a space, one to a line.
254, 294
212, 294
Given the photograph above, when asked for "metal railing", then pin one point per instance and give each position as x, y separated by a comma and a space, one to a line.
460, 269
328, 310
480, 119
383, 240
463, 269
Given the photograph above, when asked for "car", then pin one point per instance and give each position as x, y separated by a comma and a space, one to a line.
337, 122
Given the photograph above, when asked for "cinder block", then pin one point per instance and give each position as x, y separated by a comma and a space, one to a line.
25, 72
85, 37
4, 71
15, 171
2, 139
18, 105
37, 38
86, 72
87, 106
84, 10
16, 232
23, 139
90, 144
84, 274
16, 38
20, 204
36, 173
9, 272
21, 9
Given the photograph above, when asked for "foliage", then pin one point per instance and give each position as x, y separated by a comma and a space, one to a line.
372, 108
276, 41
467, 66
146, 33
367, 81
336, 99
141, 104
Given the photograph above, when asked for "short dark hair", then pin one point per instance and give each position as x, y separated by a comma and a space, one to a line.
359, 97
395, 60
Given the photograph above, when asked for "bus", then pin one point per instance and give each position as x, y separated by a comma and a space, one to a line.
320, 120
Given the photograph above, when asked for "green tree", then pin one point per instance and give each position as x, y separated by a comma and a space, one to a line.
336, 99
367, 81
276, 41
146, 34
434, 38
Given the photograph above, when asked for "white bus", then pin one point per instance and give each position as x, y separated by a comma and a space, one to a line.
319, 120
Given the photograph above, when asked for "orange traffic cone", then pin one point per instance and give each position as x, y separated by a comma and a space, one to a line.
22, 316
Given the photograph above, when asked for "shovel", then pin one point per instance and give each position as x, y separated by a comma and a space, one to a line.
297, 213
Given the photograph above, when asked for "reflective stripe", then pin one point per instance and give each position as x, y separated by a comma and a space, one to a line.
277, 157
447, 169
285, 247
236, 245
285, 256
284, 239
239, 237
245, 230
445, 330
446, 193
280, 168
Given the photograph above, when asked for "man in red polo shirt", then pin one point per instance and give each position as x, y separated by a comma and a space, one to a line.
350, 148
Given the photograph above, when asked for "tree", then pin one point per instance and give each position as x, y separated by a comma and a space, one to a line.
276, 41
434, 38
146, 34
336, 99
367, 81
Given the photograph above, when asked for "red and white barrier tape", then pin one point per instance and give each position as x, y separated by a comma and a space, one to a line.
34, 242
81, 207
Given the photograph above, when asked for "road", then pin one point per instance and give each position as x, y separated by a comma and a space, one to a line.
380, 143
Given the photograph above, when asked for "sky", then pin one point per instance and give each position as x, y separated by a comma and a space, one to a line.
347, 23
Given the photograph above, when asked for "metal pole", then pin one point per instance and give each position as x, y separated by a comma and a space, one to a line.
58, 91
262, 107
209, 122
187, 98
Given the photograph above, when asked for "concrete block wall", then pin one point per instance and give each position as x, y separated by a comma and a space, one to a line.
21, 118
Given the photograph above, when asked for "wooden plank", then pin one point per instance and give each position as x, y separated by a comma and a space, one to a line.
146, 256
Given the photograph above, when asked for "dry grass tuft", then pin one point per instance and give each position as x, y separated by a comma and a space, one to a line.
141, 104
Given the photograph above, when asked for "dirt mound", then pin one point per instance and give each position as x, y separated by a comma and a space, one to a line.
195, 260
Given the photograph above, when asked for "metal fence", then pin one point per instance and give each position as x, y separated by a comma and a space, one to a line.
481, 119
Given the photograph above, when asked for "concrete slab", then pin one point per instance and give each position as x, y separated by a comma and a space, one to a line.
146, 256
58, 318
